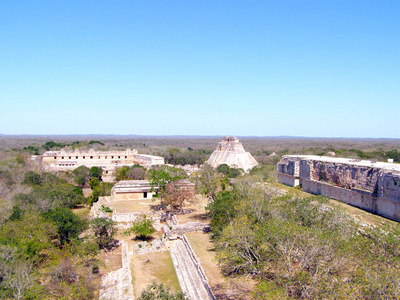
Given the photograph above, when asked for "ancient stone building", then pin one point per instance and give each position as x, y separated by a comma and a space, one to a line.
131, 190
231, 152
107, 160
373, 186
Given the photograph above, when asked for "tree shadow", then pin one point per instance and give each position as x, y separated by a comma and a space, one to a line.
200, 217
143, 239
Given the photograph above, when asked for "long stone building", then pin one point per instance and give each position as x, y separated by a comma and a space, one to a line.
64, 160
372, 186
231, 152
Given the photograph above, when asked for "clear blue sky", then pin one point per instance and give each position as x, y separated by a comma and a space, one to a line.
258, 68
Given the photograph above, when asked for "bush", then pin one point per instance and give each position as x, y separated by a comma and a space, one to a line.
32, 178
106, 209
17, 214
143, 228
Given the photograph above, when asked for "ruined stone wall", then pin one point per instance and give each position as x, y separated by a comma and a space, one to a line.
370, 186
131, 196
287, 179
389, 186
288, 166
387, 207
345, 175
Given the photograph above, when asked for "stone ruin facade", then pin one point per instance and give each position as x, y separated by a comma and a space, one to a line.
131, 190
231, 152
109, 161
372, 186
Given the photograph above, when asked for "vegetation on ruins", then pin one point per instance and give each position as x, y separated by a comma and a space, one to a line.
142, 228
159, 177
160, 291
99, 189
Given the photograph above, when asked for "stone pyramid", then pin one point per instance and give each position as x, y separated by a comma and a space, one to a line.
231, 152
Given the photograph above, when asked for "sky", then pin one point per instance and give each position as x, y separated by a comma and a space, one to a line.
246, 68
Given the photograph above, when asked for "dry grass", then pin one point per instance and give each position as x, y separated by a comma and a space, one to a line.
158, 268
198, 213
82, 212
133, 205
111, 261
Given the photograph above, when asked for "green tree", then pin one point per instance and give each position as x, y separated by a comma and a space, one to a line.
104, 230
143, 228
69, 225
99, 189
32, 178
160, 177
136, 172
228, 171
207, 181
81, 175
48, 196
94, 182
224, 169
222, 211
16, 214
95, 172
49, 145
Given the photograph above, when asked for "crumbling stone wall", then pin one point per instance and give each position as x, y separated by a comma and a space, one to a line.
344, 175
372, 186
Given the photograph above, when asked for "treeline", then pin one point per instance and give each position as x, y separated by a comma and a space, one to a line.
50, 145
302, 247
189, 156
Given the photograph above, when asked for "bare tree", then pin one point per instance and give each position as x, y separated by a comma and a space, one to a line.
176, 195
16, 273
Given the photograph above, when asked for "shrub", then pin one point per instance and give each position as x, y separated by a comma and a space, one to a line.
143, 228
104, 230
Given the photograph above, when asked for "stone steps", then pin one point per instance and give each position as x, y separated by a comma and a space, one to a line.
190, 279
